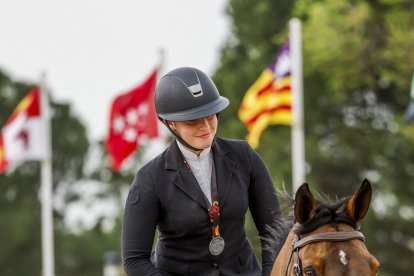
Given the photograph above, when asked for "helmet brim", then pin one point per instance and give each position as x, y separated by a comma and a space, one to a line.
211, 108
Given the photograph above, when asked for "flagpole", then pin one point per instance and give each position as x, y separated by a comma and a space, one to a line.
409, 114
164, 133
161, 61
46, 187
297, 136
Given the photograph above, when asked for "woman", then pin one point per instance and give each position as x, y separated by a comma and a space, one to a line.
197, 192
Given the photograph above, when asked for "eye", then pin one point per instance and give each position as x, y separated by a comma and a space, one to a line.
310, 271
191, 122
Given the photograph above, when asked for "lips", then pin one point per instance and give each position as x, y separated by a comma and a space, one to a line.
204, 135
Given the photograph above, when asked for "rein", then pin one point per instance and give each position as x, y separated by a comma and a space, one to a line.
298, 243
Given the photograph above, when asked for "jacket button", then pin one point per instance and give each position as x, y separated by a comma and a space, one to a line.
216, 265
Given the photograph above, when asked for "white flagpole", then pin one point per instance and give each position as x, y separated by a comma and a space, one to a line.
298, 149
164, 134
46, 187
161, 61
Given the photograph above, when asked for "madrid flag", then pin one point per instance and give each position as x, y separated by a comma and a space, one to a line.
22, 137
132, 115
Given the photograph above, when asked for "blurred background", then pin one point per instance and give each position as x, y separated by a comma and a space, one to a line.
358, 63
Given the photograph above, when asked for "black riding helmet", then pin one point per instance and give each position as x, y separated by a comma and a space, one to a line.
185, 94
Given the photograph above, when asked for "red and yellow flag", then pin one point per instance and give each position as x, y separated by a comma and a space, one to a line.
22, 137
268, 101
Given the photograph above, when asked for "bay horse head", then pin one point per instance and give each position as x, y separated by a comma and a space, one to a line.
325, 240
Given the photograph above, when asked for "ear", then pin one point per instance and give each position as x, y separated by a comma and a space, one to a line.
358, 205
305, 204
171, 124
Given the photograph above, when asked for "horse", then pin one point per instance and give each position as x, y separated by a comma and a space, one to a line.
325, 239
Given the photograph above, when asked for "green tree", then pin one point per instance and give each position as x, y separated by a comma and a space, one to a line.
259, 30
356, 88
365, 92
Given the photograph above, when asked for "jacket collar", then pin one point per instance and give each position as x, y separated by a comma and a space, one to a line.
185, 180
225, 165
173, 157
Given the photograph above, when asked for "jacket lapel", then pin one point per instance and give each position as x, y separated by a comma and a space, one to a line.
225, 166
184, 179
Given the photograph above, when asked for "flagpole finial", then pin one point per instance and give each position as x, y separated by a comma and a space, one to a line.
294, 21
161, 54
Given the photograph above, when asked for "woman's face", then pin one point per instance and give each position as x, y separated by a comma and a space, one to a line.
198, 133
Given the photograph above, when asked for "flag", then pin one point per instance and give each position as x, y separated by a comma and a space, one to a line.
132, 115
22, 138
268, 101
409, 114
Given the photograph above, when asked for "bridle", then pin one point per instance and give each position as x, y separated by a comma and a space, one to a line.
298, 243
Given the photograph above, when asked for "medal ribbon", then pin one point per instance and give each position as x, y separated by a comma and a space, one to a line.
214, 209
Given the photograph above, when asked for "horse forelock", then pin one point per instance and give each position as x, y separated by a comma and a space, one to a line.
326, 213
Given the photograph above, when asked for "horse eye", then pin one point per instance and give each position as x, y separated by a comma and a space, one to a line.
310, 271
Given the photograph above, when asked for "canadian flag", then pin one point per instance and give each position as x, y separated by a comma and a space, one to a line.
132, 115
22, 138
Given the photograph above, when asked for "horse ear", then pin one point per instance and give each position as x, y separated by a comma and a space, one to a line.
305, 204
358, 205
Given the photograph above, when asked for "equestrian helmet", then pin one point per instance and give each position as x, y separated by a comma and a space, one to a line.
187, 93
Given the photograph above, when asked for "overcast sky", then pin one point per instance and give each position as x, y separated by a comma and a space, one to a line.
92, 50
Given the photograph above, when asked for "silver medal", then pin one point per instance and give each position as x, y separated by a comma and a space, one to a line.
216, 245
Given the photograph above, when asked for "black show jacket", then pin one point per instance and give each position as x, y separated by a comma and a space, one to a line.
166, 195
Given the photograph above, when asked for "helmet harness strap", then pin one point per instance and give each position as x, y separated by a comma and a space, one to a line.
178, 137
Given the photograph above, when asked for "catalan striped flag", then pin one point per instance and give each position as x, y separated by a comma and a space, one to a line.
268, 101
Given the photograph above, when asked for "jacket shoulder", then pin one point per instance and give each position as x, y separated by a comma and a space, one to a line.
154, 165
234, 145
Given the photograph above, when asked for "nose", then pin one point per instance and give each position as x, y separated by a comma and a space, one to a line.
204, 124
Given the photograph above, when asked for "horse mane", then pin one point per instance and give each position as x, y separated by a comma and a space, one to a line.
327, 212
281, 226
276, 235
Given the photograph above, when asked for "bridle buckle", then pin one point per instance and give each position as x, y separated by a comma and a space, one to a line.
296, 269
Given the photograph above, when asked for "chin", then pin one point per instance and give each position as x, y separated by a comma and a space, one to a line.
204, 145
